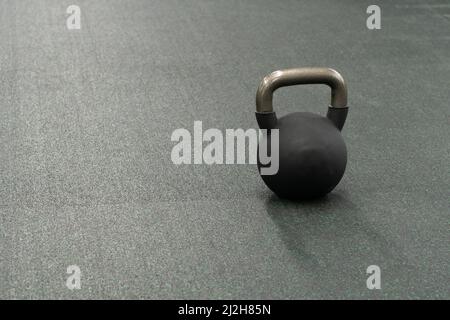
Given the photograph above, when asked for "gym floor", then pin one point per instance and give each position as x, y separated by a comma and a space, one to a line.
87, 178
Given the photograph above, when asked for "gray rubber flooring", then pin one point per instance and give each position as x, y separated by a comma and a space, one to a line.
85, 171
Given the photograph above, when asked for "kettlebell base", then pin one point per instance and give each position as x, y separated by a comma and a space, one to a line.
302, 197
295, 193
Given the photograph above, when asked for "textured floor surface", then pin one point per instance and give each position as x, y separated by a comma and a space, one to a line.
85, 171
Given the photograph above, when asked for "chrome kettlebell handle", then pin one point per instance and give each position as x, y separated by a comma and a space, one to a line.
291, 77
337, 111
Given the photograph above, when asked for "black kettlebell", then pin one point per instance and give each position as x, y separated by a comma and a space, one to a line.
312, 152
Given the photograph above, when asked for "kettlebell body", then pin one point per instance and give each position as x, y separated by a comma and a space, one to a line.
312, 151
312, 156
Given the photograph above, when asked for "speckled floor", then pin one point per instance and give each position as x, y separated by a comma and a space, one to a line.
86, 177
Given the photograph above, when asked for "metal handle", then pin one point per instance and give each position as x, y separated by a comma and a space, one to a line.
291, 77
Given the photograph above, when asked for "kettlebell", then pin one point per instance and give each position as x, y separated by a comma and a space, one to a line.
312, 152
